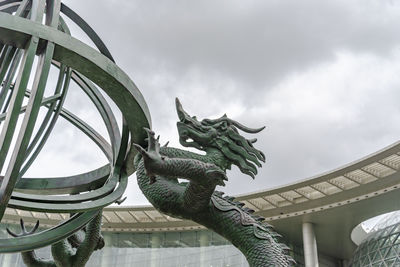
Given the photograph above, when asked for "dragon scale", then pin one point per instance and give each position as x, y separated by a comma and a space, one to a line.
158, 170
73, 251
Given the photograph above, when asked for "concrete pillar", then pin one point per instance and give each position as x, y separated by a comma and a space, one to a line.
7, 260
155, 242
310, 245
204, 240
107, 251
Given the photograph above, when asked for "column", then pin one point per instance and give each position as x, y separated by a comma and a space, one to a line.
8, 260
204, 240
310, 245
155, 242
106, 253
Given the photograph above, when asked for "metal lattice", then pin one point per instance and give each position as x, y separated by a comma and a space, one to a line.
34, 38
381, 248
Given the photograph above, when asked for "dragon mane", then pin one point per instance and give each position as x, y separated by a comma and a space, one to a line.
235, 147
222, 134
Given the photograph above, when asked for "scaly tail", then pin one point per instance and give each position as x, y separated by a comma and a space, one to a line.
256, 239
158, 170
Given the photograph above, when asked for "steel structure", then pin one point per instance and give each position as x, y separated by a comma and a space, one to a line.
33, 39
381, 247
334, 202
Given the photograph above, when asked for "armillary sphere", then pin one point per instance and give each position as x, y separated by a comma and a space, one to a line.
34, 38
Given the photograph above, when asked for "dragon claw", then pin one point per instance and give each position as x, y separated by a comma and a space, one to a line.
151, 155
150, 132
139, 148
218, 174
24, 232
153, 143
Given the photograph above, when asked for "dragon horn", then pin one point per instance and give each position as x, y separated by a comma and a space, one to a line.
182, 114
244, 128
235, 123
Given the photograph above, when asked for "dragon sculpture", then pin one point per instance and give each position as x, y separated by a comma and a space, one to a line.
158, 170
73, 251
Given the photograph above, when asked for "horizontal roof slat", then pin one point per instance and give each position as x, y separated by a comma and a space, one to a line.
327, 188
392, 161
111, 217
379, 169
309, 192
343, 182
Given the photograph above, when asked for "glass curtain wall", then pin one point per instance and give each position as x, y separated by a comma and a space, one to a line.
381, 248
156, 249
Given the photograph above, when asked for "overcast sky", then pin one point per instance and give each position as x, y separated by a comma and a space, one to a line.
323, 76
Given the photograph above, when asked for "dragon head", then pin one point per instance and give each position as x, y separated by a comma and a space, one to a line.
221, 134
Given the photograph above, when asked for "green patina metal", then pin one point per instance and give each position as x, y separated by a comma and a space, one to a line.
158, 170
33, 39
73, 251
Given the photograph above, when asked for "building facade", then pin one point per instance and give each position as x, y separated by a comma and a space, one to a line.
316, 216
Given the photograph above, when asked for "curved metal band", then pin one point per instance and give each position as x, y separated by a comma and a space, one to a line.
64, 199
76, 183
47, 237
63, 230
65, 185
73, 207
16, 31
88, 30
103, 143
86, 60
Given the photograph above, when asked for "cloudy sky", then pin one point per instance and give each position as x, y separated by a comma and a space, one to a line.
323, 76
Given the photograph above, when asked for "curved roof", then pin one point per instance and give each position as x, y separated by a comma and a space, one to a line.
335, 202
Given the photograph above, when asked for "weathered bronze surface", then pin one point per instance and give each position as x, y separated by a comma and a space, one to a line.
158, 170
73, 251
34, 38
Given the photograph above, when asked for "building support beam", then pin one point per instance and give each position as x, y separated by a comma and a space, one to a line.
204, 240
310, 245
106, 253
155, 243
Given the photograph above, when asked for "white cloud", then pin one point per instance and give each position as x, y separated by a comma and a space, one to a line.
323, 76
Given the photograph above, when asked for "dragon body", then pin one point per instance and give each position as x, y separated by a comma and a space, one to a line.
73, 251
158, 170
